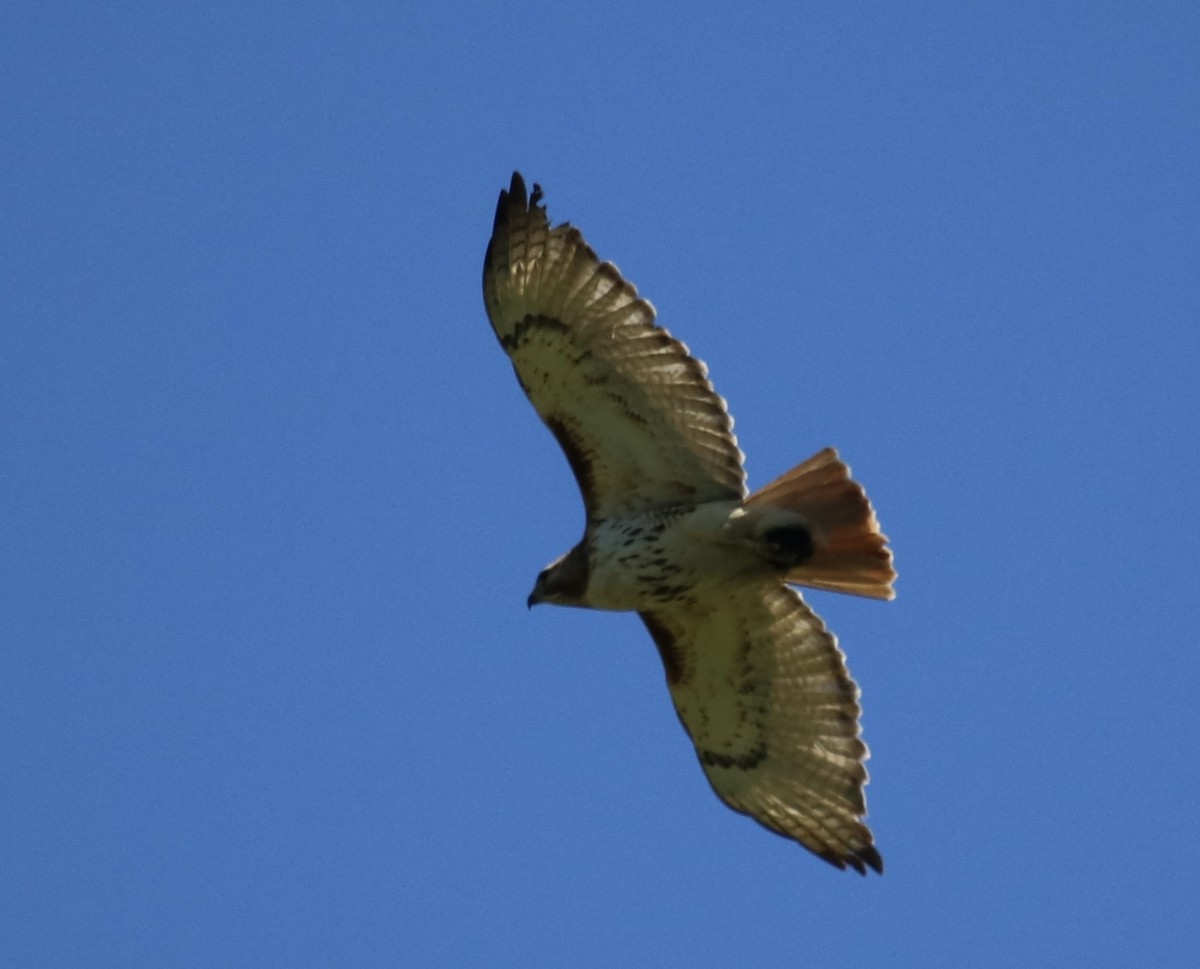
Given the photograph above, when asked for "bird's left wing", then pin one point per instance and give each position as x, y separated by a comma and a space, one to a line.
763, 691
634, 412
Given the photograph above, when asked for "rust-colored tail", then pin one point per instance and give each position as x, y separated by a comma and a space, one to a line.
850, 554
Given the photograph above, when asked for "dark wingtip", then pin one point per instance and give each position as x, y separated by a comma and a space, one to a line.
512, 200
515, 198
516, 189
859, 860
513, 195
870, 858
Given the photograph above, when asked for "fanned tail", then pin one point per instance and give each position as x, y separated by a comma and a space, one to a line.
850, 554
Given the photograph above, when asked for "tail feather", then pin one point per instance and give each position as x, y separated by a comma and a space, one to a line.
850, 554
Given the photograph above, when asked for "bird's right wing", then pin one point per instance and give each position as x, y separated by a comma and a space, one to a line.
764, 693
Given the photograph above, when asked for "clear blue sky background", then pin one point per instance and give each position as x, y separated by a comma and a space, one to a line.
272, 500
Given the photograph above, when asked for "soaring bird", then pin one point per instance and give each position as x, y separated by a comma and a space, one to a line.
671, 534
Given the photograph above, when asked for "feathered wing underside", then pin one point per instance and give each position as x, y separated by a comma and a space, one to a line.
634, 412
763, 691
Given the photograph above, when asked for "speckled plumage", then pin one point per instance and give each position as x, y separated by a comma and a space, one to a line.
758, 681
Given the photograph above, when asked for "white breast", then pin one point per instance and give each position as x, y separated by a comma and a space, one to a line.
666, 555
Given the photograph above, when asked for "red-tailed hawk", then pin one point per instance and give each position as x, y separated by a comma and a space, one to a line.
758, 681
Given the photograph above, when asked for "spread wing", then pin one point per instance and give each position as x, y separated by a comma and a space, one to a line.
635, 413
763, 690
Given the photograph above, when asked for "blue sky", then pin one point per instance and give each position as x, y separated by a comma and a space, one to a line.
271, 500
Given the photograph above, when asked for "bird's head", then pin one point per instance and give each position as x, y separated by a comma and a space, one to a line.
564, 581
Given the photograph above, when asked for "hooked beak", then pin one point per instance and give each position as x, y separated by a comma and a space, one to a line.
536, 595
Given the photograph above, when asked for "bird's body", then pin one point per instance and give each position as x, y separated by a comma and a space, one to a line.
664, 551
671, 534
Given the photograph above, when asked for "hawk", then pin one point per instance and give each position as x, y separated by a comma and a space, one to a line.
671, 534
